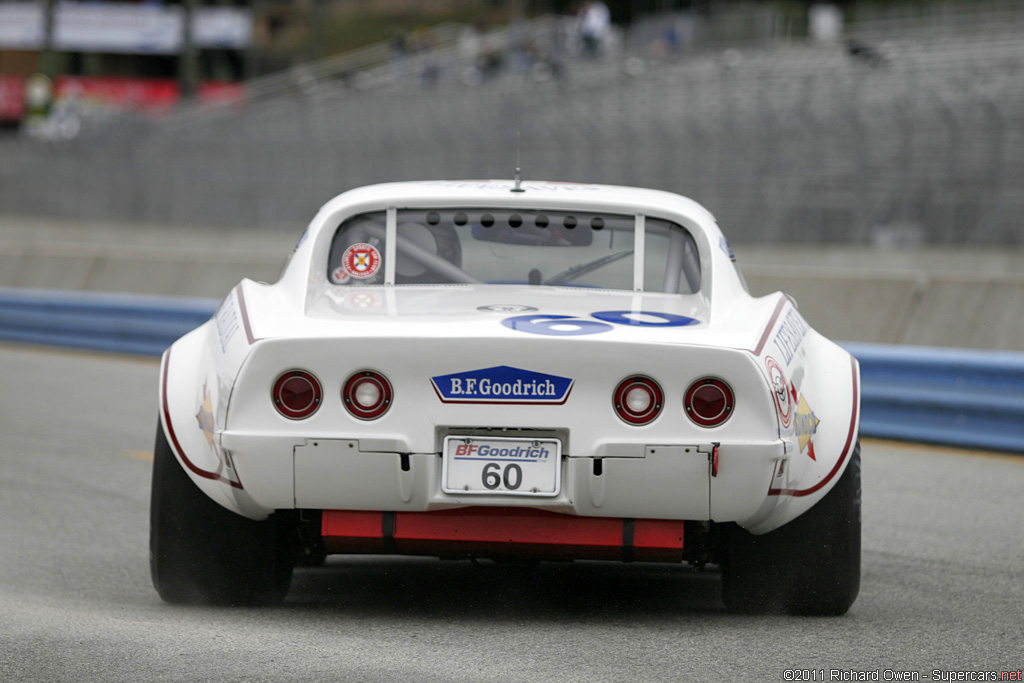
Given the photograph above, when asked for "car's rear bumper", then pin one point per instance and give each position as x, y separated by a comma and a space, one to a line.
656, 481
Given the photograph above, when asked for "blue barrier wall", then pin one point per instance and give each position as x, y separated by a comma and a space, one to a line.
966, 398
121, 323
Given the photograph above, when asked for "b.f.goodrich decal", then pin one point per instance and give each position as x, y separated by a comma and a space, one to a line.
502, 384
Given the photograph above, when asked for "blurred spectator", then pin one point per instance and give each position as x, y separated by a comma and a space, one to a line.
520, 45
399, 53
427, 67
669, 41
865, 52
479, 59
593, 23
825, 23
470, 45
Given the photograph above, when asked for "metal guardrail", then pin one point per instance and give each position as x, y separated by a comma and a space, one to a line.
950, 396
120, 323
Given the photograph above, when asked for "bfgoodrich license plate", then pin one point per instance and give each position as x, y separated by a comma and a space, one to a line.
501, 466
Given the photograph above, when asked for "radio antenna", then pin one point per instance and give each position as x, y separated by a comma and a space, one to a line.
519, 178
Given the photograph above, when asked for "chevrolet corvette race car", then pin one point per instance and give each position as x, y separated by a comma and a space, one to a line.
514, 371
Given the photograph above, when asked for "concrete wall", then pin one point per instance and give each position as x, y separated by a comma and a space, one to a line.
965, 298
169, 260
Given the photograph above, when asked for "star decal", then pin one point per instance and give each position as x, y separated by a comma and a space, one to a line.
806, 426
205, 416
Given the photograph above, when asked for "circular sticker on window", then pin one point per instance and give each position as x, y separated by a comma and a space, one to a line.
339, 275
361, 261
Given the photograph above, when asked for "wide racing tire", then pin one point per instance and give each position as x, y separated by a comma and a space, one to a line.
201, 553
809, 566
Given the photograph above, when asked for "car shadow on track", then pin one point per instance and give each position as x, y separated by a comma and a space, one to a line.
383, 586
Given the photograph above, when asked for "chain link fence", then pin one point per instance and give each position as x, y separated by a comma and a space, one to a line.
897, 137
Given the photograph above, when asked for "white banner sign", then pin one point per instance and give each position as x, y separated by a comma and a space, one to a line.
120, 28
117, 28
222, 27
21, 25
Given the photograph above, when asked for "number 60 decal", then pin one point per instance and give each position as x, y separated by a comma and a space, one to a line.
568, 326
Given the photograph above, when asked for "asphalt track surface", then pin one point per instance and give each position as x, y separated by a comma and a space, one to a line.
942, 588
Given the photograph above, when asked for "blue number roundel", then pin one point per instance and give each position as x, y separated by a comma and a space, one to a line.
555, 325
667, 319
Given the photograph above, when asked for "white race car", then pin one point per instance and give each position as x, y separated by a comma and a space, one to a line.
516, 371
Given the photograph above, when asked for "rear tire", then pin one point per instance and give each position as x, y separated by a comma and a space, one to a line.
201, 553
808, 566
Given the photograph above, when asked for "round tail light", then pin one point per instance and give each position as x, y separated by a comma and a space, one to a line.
367, 395
709, 402
297, 394
638, 400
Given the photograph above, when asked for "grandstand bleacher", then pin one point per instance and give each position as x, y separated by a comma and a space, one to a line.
785, 141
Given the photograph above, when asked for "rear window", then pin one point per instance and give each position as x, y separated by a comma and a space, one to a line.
505, 246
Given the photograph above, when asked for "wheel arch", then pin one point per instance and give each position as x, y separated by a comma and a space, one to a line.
193, 397
823, 430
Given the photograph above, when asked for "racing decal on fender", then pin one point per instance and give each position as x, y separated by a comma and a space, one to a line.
302, 239
780, 388
227, 322
723, 244
502, 384
791, 334
806, 426
205, 416
361, 261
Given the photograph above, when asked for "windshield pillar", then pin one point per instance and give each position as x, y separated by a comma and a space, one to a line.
638, 252
390, 244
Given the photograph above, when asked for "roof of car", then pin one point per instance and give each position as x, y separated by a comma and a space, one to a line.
533, 192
